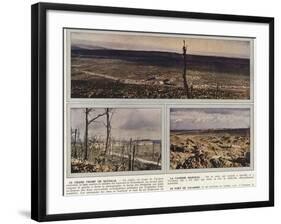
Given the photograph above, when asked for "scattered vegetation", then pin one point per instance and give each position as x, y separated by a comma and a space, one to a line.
136, 74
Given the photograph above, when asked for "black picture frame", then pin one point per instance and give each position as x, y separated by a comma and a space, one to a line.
39, 122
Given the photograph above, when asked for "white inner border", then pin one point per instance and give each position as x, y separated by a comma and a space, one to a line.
57, 203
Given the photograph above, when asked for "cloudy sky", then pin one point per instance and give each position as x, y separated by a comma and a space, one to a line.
134, 41
209, 118
126, 123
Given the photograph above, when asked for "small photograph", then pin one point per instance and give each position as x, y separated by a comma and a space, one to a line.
115, 139
111, 64
209, 138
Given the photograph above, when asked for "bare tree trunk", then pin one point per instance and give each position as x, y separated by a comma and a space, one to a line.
86, 134
87, 123
185, 84
107, 129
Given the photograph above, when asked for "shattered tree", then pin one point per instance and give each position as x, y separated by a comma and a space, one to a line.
185, 84
109, 114
89, 121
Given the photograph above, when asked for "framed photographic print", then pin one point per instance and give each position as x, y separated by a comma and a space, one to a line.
138, 111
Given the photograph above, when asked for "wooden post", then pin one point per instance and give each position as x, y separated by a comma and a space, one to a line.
152, 151
137, 148
107, 130
158, 160
133, 158
130, 155
217, 91
86, 134
74, 144
122, 154
191, 90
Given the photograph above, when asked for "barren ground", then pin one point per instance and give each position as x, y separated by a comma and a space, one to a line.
145, 158
210, 149
156, 77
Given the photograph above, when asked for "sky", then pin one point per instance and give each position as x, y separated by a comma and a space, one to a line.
209, 118
152, 42
126, 123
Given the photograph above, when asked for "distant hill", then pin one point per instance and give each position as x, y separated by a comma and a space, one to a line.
85, 47
223, 130
239, 66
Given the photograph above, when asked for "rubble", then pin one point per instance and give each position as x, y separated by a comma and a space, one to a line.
212, 150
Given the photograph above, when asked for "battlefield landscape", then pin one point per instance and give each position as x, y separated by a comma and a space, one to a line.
115, 140
151, 67
211, 141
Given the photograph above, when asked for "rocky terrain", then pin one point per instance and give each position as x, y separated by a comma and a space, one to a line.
210, 149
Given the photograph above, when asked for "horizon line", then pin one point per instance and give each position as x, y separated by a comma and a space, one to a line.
89, 47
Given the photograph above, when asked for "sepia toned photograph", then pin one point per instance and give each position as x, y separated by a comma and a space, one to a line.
115, 139
111, 64
209, 138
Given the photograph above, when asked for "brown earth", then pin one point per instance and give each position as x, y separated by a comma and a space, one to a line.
109, 77
210, 149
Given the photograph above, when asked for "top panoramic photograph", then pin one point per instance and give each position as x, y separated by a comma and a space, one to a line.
134, 65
